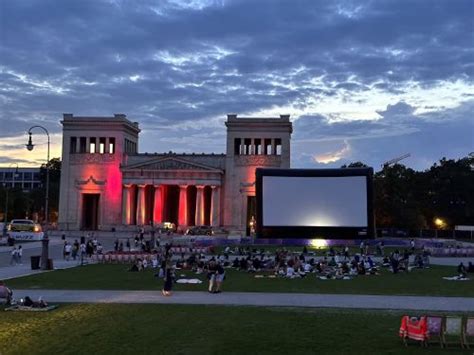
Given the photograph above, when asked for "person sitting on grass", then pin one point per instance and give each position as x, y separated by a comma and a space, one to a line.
301, 272
243, 264
28, 302
345, 268
5, 293
137, 266
361, 269
236, 263
462, 271
290, 272
470, 267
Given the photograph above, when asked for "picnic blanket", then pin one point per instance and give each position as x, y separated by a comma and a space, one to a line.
189, 281
335, 278
18, 308
456, 278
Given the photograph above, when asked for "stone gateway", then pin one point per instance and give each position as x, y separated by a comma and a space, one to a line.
106, 183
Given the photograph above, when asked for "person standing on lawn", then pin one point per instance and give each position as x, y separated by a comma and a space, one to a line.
220, 275
168, 281
211, 275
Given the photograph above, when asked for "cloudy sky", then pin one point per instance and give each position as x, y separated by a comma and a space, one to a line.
362, 80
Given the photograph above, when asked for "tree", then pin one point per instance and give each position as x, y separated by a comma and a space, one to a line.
357, 164
54, 166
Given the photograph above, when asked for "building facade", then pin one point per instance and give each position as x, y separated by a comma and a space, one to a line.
106, 183
26, 179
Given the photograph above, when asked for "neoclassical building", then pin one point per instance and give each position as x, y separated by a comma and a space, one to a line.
106, 183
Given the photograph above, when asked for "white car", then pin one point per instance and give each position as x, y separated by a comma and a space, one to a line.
24, 229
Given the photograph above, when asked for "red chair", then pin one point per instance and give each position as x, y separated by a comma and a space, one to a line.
414, 328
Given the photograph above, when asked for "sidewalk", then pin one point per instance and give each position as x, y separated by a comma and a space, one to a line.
11, 272
415, 303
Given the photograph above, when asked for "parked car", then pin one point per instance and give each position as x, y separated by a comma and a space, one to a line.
200, 230
166, 227
24, 230
23, 225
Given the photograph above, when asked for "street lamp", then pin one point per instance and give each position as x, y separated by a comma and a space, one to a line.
5, 218
439, 222
45, 241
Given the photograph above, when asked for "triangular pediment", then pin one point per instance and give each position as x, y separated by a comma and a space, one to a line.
170, 163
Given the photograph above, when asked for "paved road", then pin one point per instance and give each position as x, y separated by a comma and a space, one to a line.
415, 303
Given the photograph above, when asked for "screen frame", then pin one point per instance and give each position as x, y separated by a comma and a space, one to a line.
315, 232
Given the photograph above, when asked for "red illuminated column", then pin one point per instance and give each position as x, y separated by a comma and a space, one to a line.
126, 204
141, 205
215, 206
200, 205
183, 206
158, 205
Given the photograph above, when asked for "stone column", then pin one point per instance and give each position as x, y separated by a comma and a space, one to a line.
183, 206
215, 199
273, 147
158, 205
199, 205
141, 205
88, 144
126, 204
252, 146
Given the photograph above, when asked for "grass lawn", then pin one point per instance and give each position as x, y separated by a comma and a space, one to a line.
184, 329
427, 282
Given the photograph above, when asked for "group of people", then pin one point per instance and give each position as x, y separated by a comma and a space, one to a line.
286, 264
6, 295
87, 247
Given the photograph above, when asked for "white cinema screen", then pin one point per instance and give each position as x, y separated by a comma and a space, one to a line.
325, 202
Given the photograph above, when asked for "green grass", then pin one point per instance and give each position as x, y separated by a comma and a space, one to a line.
180, 329
426, 282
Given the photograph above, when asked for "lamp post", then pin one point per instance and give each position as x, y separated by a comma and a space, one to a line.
5, 219
45, 241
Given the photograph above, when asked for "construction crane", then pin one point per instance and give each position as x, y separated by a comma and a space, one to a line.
395, 160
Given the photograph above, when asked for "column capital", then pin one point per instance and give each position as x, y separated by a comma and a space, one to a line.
200, 187
215, 186
142, 186
183, 186
127, 186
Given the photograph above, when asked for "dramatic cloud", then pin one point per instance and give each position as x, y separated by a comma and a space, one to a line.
351, 74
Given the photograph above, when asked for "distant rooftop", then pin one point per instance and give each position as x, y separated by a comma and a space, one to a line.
116, 118
232, 117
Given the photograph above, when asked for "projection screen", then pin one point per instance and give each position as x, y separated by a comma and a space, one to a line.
312, 203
